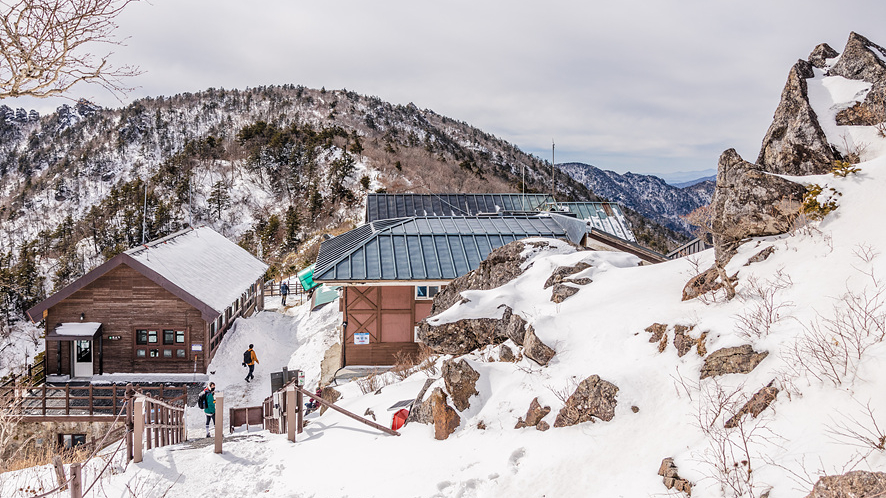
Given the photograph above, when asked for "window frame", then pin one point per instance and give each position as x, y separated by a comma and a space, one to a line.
161, 350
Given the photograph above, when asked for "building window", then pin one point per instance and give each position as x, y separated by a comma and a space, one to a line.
180, 353
163, 346
426, 291
68, 441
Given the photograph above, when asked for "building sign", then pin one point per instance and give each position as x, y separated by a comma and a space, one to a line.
301, 377
114, 337
196, 347
361, 338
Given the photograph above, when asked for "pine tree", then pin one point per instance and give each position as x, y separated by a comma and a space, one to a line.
292, 229
218, 200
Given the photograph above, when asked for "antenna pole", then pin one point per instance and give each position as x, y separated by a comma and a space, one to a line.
144, 213
553, 172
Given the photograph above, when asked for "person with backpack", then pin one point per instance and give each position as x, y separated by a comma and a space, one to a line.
284, 291
206, 401
250, 360
313, 404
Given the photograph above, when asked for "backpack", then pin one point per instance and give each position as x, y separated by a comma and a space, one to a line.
201, 400
247, 356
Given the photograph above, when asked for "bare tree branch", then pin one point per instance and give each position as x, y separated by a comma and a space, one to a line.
45, 46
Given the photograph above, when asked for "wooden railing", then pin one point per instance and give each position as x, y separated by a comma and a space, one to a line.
155, 424
79, 401
36, 375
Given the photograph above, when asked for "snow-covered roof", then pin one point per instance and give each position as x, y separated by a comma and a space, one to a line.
381, 206
197, 265
74, 330
202, 263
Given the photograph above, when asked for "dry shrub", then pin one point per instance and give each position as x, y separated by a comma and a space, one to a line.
372, 382
404, 365
426, 360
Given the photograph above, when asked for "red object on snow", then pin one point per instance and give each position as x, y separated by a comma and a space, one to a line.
399, 419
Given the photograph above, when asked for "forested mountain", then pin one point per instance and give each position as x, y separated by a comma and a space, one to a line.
270, 167
649, 195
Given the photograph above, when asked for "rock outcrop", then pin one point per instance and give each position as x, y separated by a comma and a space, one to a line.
819, 55
857, 484
329, 394
462, 336
461, 382
749, 202
593, 398
755, 406
671, 479
741, 359
795, 144
435, 410
863, 60
563, 292
562, 272
536, 350
534, 416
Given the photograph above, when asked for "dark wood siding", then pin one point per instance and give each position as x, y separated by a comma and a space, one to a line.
124, 300
388, 314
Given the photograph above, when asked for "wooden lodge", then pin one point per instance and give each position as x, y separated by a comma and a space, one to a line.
162, 307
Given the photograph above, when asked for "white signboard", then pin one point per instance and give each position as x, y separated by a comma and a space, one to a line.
361, 338
196, 347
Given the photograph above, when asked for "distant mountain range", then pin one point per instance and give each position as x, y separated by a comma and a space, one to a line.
648, 195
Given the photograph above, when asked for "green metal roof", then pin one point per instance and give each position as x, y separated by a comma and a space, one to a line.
388, 206
605, 216
428, 248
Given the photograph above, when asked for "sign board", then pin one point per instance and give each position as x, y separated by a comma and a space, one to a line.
361, 338
196, 347
301, 378
114, 337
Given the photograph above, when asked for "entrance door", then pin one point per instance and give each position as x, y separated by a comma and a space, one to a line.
82, 358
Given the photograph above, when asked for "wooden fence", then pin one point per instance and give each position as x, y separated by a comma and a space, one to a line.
36, 375
76, 403
155, 424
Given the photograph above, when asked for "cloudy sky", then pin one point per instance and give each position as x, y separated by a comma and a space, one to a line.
648, 86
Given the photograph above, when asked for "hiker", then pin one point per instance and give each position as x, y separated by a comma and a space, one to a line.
250, 360
209, 405
313, 404
284, 291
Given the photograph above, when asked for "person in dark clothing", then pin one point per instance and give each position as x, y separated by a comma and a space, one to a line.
210, 407
284, 291
313, 404
251, 364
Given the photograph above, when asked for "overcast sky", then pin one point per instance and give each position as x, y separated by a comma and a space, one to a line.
648, 86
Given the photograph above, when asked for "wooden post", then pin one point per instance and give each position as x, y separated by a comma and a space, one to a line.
138, 429
76, 481
291, 407
59, 472
300, 411
219, 421
128, 401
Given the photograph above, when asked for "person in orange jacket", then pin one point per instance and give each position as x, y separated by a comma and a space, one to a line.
250, 360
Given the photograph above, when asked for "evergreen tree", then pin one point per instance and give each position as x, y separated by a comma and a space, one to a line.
219, 200
292, 229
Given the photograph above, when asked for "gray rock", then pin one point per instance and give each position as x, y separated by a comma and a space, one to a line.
506, 354
593, 398
856, 484
741, 359
461, 382
657, 330
563, 292
671, 479
701, 284
761, 256
820, 54
749, 202
795, 143
682, 341
564, 271
861, 62
536, 350
513, 326
460, 337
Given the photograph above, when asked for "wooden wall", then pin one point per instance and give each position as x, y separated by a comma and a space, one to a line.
389, 314
124, 300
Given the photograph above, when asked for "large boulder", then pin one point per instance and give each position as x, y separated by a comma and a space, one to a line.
461, 382
462, 336
741, 359
435, 410
795, 144
749, 202
593, 398
856, 484
820, 54
863, 60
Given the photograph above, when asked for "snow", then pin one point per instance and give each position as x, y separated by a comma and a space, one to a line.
204, 264
812, 281
78, 329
